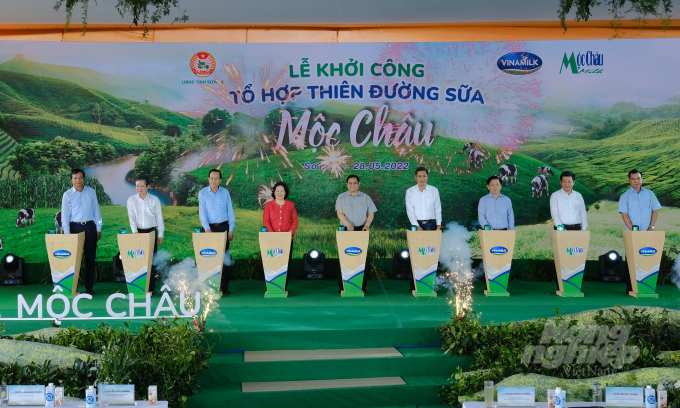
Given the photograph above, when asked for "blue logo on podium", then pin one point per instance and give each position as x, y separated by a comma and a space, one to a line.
499, 250
61, 254
353, 251
647, 251
208, 253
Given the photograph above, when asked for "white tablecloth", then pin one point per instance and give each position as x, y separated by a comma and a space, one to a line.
81, 404
480, 404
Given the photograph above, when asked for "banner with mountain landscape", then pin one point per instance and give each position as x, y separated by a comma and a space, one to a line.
311, 114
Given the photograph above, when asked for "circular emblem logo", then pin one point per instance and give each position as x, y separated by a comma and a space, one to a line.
202, 64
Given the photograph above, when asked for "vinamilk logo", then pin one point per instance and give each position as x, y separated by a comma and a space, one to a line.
202, 64
647, 251
208, 253
61, 254
499, 250
353, 251
275, 252
583, 63
519, 63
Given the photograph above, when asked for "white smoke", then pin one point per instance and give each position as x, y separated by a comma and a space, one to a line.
675, 277
456, 257
228, 261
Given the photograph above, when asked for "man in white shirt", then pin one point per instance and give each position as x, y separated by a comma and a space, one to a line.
144, 211
567, 206
423, 206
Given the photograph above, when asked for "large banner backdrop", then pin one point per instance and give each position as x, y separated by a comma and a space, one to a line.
311, 114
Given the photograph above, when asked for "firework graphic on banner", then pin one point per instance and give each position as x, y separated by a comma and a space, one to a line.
334, 160
510, 101
239, 88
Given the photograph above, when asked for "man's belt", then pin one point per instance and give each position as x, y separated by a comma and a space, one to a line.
219, 224
82, 223
424, 222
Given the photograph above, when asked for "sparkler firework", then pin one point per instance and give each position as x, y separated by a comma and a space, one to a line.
456, 256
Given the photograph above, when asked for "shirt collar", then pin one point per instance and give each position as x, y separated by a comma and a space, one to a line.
635, 192
500, 195
427, 188
349, 193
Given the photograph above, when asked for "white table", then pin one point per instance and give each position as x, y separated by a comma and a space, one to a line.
81, 404
480, 404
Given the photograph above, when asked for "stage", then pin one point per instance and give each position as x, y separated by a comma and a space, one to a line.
314, 317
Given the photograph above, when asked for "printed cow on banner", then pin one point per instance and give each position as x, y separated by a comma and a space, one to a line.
469, 146
26, 217
58, 229
545, 170
476, 158
538, 184
508, 172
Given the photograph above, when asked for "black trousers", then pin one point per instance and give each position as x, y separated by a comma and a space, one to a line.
226, 270
90, 249
290, 259
152, 275
341, 285
570, 227
426, 225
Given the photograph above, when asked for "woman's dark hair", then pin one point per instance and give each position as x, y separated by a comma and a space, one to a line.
285, 188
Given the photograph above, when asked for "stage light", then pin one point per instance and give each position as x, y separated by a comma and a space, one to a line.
314, 263
610, 267
401, 264
12, 270
117, 268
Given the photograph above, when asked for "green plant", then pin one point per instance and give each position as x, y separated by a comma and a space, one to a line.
617, 9
166, 353
498, 350
139, 9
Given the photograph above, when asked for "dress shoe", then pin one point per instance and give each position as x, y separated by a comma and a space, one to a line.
90, 292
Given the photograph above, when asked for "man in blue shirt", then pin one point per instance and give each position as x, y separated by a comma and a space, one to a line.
638, 205
495, 209
217, 215
80, 213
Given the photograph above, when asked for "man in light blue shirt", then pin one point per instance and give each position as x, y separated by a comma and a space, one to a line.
495, 209
80, 213
638, 205
217, 215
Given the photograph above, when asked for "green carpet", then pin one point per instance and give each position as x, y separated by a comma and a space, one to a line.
314, 316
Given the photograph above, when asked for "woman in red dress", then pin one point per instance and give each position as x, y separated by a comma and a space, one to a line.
280, 216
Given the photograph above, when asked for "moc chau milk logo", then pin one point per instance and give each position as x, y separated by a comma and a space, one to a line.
208, 253
575, 251
499, 250
275, 252
426, 250
136, 253
353, 251
519, 63
61, 254
587, 63
647, 251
